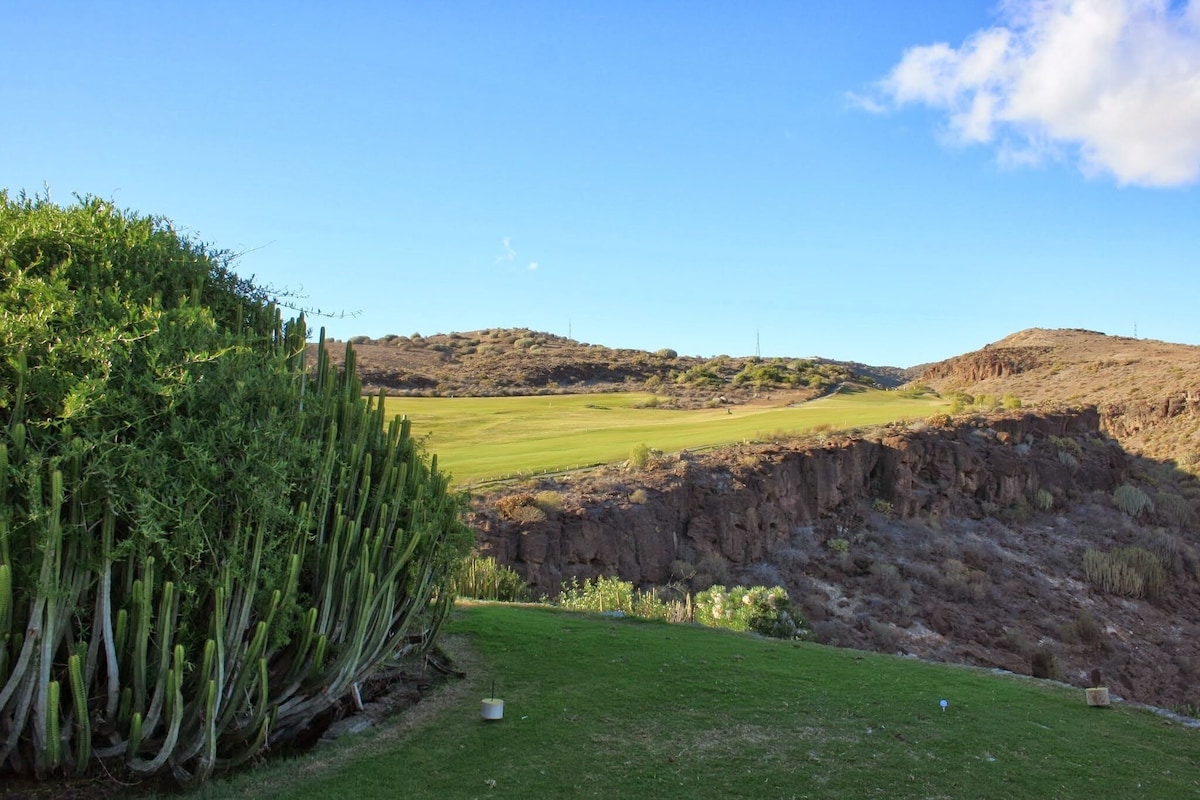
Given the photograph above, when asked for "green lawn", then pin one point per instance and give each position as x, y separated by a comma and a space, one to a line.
612, 708
479, 438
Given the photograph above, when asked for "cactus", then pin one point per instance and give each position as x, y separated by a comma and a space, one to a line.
53, 754
110, 535
83, 740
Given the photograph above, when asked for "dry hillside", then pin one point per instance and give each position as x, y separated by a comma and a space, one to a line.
1148, 392
505, 361
1055, 538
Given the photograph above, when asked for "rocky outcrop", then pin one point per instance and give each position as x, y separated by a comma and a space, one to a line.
990, 362
1131, 419
744, 503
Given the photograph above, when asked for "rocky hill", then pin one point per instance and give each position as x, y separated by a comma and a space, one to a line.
1010, 539
1147, 392
505, 361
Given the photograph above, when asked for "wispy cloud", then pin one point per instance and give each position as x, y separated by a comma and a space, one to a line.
509, 253
1114, 84
533, 265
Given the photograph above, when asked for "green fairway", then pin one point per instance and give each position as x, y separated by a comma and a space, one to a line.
613, 708
480, 438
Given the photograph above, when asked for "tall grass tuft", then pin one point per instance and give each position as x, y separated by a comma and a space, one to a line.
483, 578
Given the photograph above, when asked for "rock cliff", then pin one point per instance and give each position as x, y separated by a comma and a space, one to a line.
744, 504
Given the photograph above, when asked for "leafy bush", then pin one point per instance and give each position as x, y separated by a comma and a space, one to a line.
759, 609
639, 456
1043, 500
1010, 402
1132, 500
701, 376
179, 498
1128, 571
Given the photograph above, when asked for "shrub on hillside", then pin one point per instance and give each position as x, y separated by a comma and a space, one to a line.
1128, 571
1132, 500
1174, 509
759, 609
522, 507
639, 456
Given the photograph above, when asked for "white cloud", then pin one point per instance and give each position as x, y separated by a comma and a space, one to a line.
1113, 83
509, 252
533, 265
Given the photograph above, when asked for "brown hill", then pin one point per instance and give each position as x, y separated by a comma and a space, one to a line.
1147, 392
504, 361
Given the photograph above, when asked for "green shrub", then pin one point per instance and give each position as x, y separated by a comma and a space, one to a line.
1068, 444
639, 456
1068, 460
1132, 500
959, 401
1128, 571
189, 515
1043, 500
1010, 402
700, 376
986, 402
757, 608
483, 578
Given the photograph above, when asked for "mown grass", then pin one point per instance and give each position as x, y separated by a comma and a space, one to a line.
480, 438
602, 707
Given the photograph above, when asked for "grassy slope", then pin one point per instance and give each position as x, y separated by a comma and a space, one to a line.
598, 707
477, 438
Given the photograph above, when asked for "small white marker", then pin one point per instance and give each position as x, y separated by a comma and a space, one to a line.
943, 704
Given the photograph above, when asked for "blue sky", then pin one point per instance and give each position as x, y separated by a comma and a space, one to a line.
892, 183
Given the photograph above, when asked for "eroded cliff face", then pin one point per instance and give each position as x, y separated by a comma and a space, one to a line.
744, 503
988, 363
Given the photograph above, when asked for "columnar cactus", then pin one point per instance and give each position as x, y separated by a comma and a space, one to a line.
203, 542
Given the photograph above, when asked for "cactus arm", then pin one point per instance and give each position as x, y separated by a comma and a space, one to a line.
83, 741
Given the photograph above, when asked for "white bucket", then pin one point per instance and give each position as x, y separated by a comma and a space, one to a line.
493, 708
